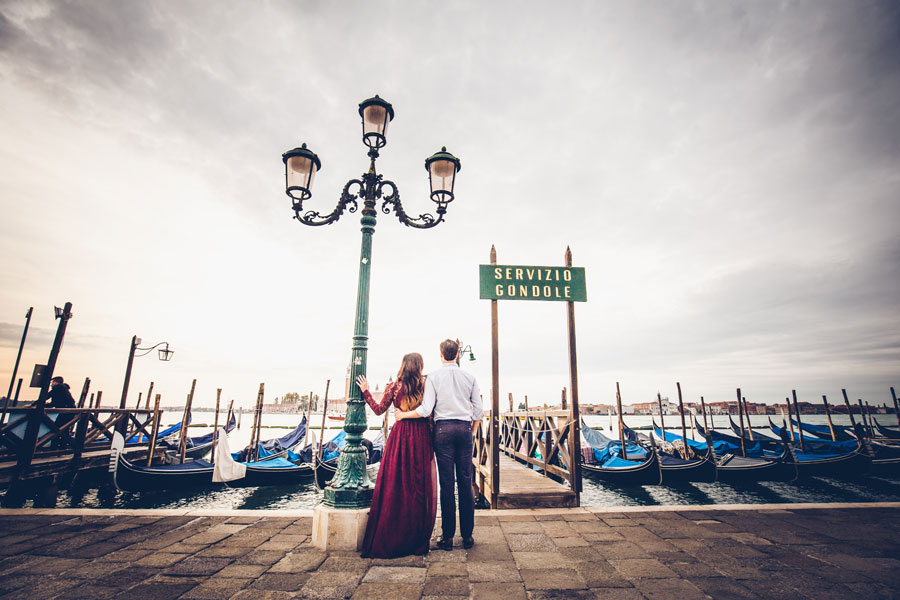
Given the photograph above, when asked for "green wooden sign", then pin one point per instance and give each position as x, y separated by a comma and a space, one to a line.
517, 282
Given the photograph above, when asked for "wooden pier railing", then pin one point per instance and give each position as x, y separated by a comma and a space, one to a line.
545, 441
37, 442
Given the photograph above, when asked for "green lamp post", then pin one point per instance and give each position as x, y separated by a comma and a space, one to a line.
351, 487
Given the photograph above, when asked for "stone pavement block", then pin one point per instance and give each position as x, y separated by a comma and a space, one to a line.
447, 586
125, 578
610, 535
497, 591
299, 561
196, 565
505, 517
601, 574
479, 552
549, 517
403, 561
579, 516
722, 587
284, 582
246, 594
482, 521
530, 542
521, 527
558, 529
447, 569
157, 559
276, 546
394, 591
570, 542
617, 594
242, 571
56, 565
185, 548
560, 594
592, 526
689, 570
341, 563
620, 550
413, 575
268, 557
224, 551
642, 568
126, 555
552, 579
619, 522
665, 589
496, 571
216, 588
332, 584
541, 560
489, 535
155, 591
87, 592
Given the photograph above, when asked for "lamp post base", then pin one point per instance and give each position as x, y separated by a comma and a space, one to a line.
337, 529
348, 498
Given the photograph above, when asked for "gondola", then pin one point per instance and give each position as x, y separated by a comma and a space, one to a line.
842, 433
198, 474
275, 448
731, 467
194, 447
886, 432
326, 466
604, 460
885, 456
677, 470
824, 458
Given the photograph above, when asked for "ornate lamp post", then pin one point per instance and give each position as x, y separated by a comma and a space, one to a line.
351, 487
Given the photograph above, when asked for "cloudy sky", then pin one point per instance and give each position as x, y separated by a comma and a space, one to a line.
726, 172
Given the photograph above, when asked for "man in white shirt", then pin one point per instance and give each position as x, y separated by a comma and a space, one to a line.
453, 397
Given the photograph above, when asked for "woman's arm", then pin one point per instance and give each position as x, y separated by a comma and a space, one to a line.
377, 407
399, 415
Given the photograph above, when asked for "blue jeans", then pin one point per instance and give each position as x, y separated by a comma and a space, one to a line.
453, 451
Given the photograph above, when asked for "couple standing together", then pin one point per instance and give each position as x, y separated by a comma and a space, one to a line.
404, 502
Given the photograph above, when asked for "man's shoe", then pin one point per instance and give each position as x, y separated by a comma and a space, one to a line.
443, 544
468, 542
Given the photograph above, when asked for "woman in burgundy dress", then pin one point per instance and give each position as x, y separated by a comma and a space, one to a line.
404, 502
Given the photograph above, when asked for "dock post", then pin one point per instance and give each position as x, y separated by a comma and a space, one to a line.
29, 440
575, 439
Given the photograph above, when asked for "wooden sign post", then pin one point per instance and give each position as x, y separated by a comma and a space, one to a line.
539, 283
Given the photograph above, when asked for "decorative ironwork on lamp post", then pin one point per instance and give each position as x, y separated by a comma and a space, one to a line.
351, 487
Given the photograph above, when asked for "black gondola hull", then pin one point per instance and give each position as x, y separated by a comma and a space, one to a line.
646, 473
700, 470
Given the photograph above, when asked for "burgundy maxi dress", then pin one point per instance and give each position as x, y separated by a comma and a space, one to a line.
404, 502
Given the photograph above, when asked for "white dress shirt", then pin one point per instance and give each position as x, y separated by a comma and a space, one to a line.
451, 393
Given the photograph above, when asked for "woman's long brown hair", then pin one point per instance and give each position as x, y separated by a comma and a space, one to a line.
410, 375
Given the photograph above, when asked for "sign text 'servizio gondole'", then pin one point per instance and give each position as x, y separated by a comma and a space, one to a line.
516, 282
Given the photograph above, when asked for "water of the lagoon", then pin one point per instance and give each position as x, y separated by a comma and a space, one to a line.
867, 489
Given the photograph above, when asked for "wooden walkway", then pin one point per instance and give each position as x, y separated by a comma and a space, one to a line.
521, 487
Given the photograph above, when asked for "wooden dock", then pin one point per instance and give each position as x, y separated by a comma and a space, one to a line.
521, 487
528, 459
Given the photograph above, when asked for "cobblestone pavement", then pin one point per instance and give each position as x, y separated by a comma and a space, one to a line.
681, 552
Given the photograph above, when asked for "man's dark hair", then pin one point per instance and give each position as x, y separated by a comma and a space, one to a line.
449, 349
57, 379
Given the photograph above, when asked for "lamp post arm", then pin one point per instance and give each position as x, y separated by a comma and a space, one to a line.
147, 351
347, 202
391, 201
